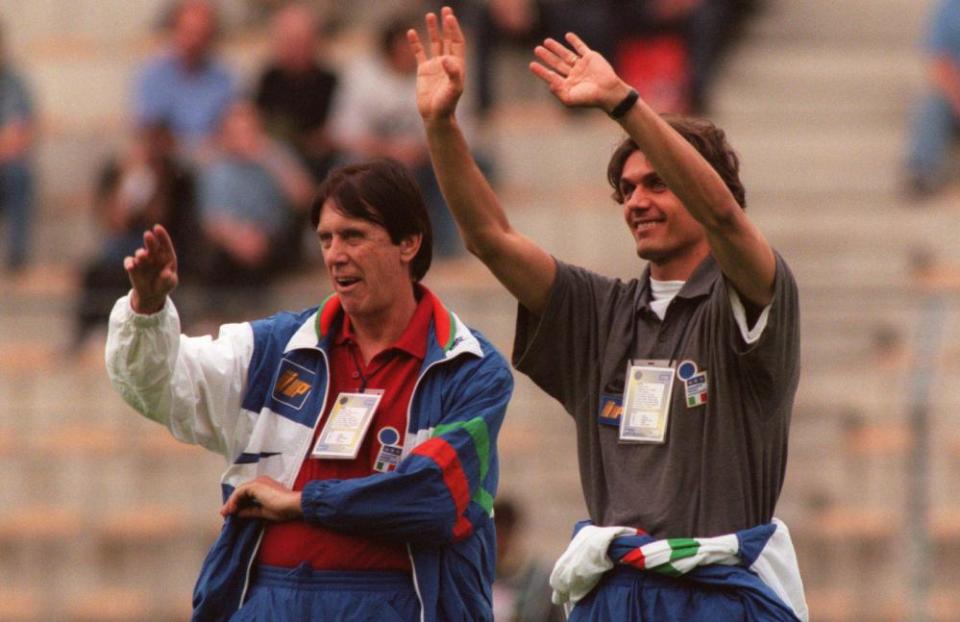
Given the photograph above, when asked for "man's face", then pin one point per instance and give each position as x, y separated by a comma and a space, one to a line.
193, 32
368, 271
294, 40
401, 58
242, 133
663, 230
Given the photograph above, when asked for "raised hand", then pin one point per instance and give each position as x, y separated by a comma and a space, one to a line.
441, 74
577, 75
152, 270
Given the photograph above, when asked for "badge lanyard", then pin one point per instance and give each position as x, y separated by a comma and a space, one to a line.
349, 419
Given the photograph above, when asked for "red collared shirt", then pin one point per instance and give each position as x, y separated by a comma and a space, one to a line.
394, 370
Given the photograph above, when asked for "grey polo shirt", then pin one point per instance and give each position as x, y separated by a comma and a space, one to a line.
722, 465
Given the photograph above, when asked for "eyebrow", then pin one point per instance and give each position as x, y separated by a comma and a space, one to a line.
343, 231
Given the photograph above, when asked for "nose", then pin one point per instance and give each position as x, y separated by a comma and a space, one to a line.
637, 199
333, 253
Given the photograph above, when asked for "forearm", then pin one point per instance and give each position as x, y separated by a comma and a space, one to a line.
688, 175
190, 385
444, 487
141, 354
411, 507
473, 202
525, 269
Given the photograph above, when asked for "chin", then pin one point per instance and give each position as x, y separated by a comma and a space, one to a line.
350, 305
651, 254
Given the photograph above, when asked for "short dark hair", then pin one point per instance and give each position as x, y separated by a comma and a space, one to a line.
707, 138
383, 192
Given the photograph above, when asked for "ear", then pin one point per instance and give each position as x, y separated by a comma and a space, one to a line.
409, 247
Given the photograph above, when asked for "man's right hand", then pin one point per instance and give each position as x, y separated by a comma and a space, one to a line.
152, 270
440, 76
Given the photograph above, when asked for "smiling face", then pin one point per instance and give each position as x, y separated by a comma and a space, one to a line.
663, 230
368, 271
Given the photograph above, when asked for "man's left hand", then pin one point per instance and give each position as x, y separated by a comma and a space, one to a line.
265, 498
577, 75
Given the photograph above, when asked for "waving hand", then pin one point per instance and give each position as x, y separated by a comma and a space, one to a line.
152, 270
441, 73
577, 75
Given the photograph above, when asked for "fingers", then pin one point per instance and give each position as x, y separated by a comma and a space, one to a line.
578, 45
230, 506
562, 51
453, 70
150, 242
416, 47
163, 238
157, 249
243, 498
552, 78
453, 38
433, 34
552, 60
444, 34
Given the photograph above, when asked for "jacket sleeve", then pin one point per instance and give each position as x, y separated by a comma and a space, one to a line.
191, 385
444, 489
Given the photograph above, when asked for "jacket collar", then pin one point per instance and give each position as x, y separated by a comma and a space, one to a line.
448, 336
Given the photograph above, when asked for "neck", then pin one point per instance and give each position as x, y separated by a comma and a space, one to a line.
191, 63
378, 331
678, 268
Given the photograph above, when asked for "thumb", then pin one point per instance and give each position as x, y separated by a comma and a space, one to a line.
453, 70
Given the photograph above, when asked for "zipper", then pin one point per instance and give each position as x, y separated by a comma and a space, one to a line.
291, 479
416, 584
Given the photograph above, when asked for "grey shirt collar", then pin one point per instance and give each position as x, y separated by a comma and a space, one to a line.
700, 283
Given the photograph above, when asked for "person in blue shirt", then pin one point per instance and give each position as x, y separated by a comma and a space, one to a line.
186, 87
16, 176
937, 119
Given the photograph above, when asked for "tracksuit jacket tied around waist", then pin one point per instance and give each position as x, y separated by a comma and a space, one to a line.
223, 394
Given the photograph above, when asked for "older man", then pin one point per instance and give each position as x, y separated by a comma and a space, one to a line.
360, 435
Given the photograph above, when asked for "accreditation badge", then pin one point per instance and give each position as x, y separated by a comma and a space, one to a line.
646, 402
346, 426
390, 451
694, 382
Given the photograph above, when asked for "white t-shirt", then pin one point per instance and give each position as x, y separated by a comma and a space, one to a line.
663, 292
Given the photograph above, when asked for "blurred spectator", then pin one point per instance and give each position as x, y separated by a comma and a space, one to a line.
186, 87
523, 24
654, 52
375, 115
938, 116
143, 187
712, 26
670, 49
521, 589
494, 24
295, 91
250, 195
16, 176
